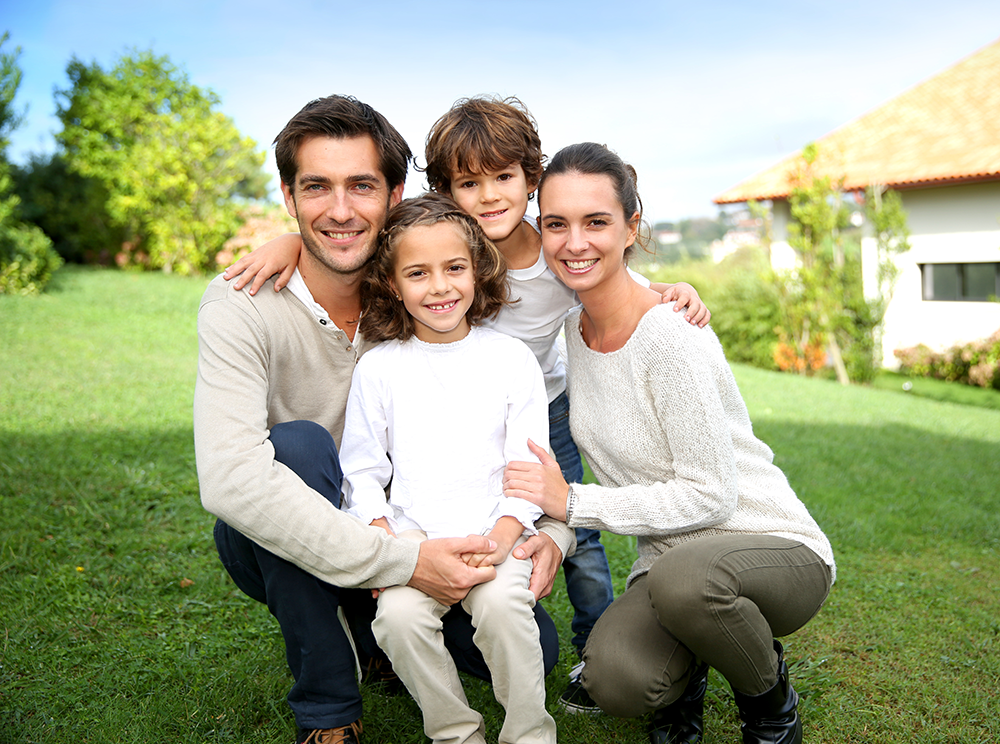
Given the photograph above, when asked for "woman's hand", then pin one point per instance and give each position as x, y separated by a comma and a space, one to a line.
686, 296
278, 256
540, 482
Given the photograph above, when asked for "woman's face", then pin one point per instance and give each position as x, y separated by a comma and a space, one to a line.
584, 230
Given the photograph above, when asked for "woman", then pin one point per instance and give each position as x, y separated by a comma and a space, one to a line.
728, 557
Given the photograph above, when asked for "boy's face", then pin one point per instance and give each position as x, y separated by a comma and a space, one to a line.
497, 199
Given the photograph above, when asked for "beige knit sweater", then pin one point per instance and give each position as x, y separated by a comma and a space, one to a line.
664, 428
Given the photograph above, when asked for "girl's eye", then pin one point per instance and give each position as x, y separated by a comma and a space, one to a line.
457, 267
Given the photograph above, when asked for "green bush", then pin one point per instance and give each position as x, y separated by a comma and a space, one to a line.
744, 315
975, 363
27, 259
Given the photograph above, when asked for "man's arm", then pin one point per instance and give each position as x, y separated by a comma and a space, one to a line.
240, 480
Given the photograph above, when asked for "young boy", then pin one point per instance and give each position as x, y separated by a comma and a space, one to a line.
486, 154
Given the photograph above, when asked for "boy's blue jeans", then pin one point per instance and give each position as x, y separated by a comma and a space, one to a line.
588, 576
325, 693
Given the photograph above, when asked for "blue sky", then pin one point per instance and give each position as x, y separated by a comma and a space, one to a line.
697, 96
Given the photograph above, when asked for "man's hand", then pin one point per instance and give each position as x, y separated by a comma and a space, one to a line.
443, 574
540, 482
545, 558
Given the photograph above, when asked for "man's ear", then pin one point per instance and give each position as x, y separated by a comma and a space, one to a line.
286, 192
396, 196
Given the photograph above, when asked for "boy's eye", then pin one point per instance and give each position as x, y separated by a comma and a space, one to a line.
468, 185
505, 176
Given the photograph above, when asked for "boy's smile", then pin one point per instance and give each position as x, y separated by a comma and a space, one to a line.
497, 199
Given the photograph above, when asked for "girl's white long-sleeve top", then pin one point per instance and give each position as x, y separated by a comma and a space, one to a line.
440, 422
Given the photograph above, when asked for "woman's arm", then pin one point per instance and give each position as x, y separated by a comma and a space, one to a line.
278, 256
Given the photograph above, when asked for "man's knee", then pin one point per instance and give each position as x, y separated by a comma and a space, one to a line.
309, 451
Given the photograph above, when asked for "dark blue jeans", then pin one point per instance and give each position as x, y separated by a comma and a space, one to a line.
588, 577
319, 654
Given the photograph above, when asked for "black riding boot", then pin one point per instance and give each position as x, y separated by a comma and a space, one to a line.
681, 721
771, 717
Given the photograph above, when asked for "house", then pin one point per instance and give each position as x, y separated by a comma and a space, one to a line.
938, 146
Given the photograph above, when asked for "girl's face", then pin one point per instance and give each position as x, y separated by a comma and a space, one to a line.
434, 276
584, 230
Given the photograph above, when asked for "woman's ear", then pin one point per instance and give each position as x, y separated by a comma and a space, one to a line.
633, 229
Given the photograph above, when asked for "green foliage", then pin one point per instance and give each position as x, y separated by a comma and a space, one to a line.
10, 81
173, 167
823, 298
26, 256
69, 208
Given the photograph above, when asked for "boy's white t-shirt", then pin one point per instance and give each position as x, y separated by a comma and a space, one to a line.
537, 319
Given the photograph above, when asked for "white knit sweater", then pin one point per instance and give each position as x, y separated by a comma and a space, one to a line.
665, 430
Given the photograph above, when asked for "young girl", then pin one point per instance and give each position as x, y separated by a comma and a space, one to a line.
438, 410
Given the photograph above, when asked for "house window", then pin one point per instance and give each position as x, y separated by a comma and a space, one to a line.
971, 282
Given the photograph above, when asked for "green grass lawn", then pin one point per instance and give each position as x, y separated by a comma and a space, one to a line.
119, 624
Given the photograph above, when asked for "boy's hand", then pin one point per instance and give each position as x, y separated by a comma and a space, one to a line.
278, 256
686, 296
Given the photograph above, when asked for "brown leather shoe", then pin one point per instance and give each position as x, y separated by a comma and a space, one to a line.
350, 734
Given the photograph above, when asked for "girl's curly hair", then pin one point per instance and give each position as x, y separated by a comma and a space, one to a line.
384, 316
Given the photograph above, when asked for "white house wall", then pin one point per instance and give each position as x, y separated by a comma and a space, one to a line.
951, 224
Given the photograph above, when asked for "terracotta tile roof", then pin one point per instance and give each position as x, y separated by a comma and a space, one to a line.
944, 130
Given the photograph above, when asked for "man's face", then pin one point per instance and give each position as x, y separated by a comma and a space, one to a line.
340, 200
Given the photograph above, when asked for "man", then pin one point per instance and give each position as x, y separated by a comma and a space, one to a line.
274, 373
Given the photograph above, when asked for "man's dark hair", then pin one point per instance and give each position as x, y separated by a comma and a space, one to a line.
342, 117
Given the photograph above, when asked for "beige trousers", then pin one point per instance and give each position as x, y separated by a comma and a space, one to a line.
408, 628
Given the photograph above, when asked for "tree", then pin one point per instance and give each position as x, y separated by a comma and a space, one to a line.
176, 170
823, 303
27, 259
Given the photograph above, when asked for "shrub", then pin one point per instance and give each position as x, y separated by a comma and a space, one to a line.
975, 363
27, 259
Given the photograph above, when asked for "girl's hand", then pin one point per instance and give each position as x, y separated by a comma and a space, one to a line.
541, 483
278, 256
686, 296
504, 533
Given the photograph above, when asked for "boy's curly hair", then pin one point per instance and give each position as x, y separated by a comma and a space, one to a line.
384, 316
482, 134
